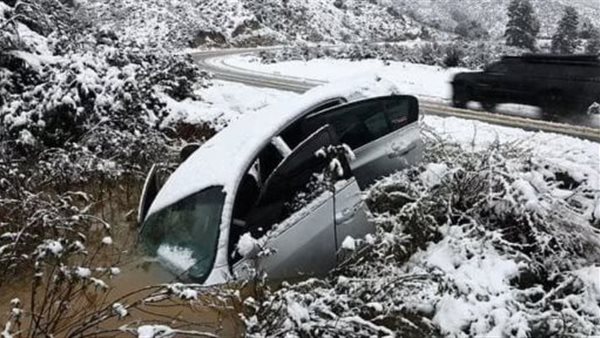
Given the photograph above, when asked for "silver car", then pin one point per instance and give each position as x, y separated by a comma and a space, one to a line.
253, 198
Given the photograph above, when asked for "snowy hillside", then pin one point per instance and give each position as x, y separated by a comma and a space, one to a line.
183, 23
492, 13
246, 22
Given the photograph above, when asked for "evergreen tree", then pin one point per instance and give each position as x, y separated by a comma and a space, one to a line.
566, 38
593, 44
523, 26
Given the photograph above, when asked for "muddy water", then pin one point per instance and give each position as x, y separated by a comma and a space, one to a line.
190, 315
136, 274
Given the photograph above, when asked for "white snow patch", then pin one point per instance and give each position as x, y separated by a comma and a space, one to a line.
177, 257
221, 103
155, 331
349, 243
120, 310
247, 245
82, 272
52, 246
298, 313
433, 174
25, 137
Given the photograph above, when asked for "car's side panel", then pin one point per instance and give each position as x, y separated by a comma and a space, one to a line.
304, 247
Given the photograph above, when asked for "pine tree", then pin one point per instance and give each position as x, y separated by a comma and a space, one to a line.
566, 38
523, 26
593, 44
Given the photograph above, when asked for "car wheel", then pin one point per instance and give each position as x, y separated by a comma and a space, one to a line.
488, 106
460, 97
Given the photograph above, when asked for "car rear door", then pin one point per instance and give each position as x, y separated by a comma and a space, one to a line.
383, 133
306, 242
302, 242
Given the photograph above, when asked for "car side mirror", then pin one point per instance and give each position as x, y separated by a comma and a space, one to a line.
187, 151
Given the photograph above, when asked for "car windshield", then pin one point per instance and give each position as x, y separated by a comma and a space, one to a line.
184, 235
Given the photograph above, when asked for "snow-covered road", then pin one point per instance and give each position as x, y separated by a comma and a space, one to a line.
429, 83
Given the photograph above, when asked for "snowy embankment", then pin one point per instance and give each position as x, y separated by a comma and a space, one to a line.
222, 102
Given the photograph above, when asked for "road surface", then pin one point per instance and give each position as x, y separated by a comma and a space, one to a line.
582, 126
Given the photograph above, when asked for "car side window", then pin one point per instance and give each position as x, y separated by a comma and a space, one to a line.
401, 113
293, 135
497, 68
363, 122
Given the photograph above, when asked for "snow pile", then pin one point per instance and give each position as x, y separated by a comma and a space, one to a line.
181, 259
483, 239
155, 331
247, 245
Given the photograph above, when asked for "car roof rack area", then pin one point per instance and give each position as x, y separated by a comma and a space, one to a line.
557, 58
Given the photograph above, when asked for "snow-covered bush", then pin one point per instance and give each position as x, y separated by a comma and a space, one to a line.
491, 242
82, 117
470, 54
79, 106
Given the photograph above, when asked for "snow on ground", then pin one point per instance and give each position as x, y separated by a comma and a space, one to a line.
423, 80
222, 102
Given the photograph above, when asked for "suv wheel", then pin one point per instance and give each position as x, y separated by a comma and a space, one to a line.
460, 97
488, 106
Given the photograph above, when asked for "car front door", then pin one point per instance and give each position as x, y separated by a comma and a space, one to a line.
383, 133
303, 239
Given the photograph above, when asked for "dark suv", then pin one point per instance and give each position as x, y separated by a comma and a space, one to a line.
555, 83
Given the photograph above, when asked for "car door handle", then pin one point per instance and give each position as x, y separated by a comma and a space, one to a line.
346, 215
401, 152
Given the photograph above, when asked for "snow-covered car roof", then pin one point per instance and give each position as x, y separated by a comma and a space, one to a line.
223, 159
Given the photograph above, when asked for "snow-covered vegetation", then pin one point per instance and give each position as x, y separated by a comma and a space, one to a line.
461, 53
492, 14
83, 114
251, 22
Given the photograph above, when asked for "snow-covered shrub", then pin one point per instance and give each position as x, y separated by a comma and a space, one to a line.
491, 242
470, 54
79, 110
594, 108
82, 118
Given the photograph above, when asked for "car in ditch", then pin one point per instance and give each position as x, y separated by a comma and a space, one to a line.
261, 178
555, 83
